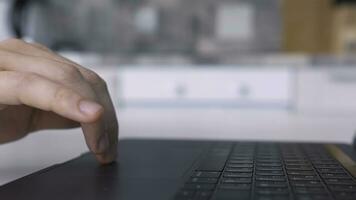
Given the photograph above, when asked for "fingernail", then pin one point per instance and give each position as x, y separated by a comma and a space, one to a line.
89, 107
103, 143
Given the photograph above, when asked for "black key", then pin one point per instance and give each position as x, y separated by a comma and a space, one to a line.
270, 178
237, 170
299, 167
194, 186
303, 177
272, 191
236, 180
241, 158
237, 175
271, 197
328, 166
296, 162
291, 172
336, 181
331, 171
270, 173
343, 188
204, 180
271, 184
325, 162
269, 168
240, 161
340, 176
239, 186
313, 183
205, 174
272, 164
269, 160
240, 165
310, 190
313, 197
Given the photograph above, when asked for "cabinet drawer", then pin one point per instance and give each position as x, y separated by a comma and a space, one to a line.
327, 90
211, 86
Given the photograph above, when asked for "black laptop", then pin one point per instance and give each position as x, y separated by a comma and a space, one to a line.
199, 170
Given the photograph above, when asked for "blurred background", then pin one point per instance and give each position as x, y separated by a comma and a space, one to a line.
227, 69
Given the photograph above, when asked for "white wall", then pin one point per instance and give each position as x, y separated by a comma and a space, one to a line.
4, 31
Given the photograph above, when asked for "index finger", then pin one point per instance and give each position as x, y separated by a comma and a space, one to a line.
108, 123
107, 126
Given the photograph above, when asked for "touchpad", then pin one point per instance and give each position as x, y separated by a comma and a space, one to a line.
141, 159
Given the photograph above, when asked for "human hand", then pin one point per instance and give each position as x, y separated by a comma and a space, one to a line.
41, 90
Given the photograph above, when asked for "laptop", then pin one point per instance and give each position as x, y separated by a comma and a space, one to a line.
199, 170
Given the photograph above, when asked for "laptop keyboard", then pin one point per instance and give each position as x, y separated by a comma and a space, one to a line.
268, 171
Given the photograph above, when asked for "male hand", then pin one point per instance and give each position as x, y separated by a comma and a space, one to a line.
41, 90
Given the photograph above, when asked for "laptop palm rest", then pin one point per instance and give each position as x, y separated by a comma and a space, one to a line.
146, 169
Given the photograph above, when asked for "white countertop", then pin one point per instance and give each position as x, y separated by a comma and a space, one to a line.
46, 148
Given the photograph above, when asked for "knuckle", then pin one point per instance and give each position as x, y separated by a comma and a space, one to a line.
26, 79
61, 96
24, 82
70, 73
